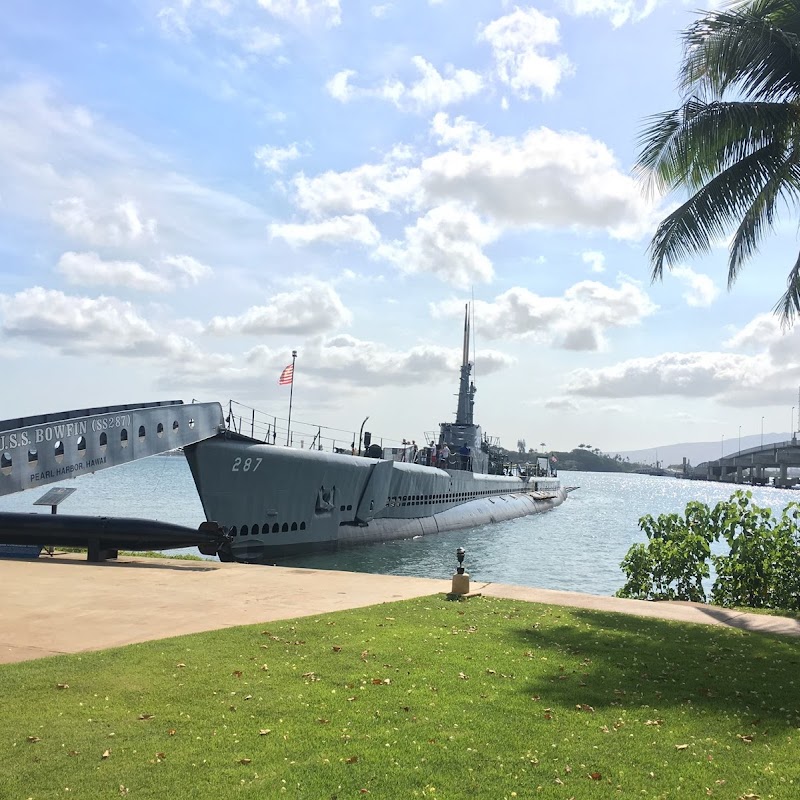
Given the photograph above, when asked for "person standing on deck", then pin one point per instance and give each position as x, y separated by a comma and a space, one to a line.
444, 455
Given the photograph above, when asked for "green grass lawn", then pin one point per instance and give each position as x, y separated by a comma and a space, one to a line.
423, 698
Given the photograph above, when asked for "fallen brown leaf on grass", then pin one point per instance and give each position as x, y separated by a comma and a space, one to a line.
180, 665
351, 760
654, 722
171, 732
596, 776
264, 732
336, 648
681, 746
145, 716
747, 738
34, 739
245, 761
584, 707
237, 673
62, 686
106, 754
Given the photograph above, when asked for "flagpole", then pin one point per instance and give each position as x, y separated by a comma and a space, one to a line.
291, 392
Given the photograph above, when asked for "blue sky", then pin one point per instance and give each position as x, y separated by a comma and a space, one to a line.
190, 189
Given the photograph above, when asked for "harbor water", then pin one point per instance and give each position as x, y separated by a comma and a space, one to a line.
577, 546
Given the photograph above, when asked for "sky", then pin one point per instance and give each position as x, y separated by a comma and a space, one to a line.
192, 189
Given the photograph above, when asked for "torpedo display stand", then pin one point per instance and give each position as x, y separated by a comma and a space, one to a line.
460, 586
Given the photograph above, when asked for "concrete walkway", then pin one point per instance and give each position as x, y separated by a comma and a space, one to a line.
67, 605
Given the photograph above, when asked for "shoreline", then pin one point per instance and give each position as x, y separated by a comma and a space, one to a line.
64, 604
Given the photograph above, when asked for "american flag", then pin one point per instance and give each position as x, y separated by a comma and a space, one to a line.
287, 376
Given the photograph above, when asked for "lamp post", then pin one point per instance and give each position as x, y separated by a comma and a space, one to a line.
740, 440
722, 447
791, 424
762, 432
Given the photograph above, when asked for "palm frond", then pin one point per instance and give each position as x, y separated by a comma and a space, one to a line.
753, 47
692, 144
760, 217
714, 209
789, 305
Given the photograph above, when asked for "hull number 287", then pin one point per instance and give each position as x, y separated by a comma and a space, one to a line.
246, 464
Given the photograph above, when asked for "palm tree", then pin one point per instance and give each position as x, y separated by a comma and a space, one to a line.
734, 143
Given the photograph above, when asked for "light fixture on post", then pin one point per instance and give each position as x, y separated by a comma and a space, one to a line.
762, 431
460, 586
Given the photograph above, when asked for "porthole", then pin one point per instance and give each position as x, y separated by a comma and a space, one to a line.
244, 531
175, 425
302, 526
254, 530
123, 437
81, 445
160, 430
141, 433
285, 527
349, 508
233, 531
5, 463
275, 528
294, 526
58, 450
103, 441
33, 456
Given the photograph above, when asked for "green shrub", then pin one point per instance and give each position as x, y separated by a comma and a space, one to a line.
761, 568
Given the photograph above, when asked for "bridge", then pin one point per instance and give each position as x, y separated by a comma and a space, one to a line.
751, 465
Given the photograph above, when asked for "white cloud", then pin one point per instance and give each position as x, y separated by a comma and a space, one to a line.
595, 259
185, 19
764, 334
431, 91
701, 289
350, 228
311, 308
381, 10
80, 325
391, 184
618, 11
544, 178
447, 242
122, 225
364, 363
88, 269
578, 320
338, 87
704, 374
327, 12
187, 271
517, 41
273, 159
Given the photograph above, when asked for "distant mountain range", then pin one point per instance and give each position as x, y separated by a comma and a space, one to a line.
696, 452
